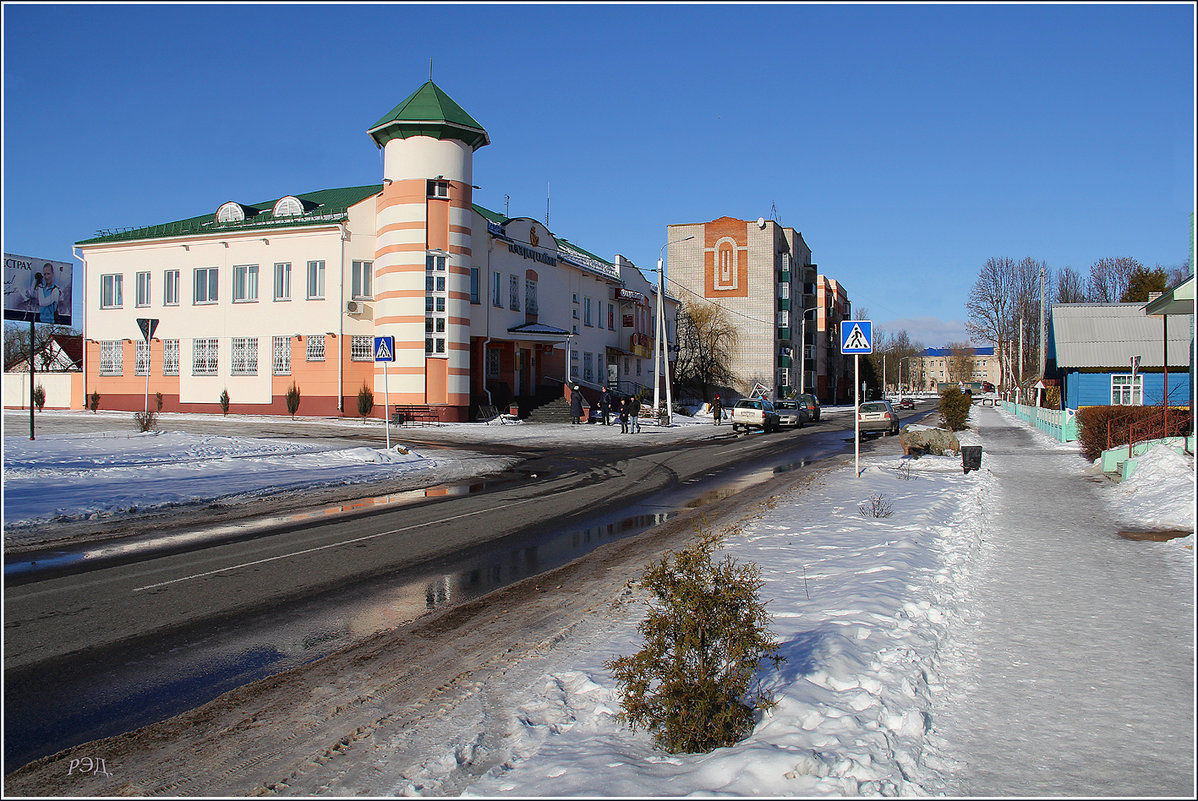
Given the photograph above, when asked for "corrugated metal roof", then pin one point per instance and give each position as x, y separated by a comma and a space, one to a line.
1109, 334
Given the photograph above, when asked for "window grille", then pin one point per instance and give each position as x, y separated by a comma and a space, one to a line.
315, 347
204, 356
111, 357
361, 348
245, 356
141, 359
170, 357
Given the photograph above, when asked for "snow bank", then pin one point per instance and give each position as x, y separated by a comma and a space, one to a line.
1160, 492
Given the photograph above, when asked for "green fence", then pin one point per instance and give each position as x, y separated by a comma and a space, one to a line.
1059, 424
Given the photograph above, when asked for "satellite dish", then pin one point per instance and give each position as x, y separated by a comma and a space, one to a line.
761, 222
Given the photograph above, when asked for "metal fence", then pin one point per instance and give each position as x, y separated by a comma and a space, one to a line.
1057, 423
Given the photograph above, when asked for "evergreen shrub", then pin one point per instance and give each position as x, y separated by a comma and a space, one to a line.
954, 408
365, 401
39, 397
224, 402
293, 399
93, 401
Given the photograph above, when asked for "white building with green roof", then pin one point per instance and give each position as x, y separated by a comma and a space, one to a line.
251, 298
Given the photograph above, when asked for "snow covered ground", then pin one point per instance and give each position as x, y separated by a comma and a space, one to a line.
868, 579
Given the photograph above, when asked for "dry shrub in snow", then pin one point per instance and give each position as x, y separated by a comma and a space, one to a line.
693, 684
877, 506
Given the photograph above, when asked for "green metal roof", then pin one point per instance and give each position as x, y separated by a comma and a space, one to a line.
322, 207
429, 112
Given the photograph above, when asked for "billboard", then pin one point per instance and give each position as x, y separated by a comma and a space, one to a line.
37, 290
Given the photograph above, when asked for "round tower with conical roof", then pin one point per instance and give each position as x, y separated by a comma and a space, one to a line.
424, 246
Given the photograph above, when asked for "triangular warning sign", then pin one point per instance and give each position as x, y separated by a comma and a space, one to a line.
856, 339
383, 352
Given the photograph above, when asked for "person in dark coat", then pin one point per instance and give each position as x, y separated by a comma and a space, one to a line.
605, 406
575, 405
634, 414
717, 409
623, 415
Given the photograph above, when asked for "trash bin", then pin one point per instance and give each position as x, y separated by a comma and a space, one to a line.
971, 457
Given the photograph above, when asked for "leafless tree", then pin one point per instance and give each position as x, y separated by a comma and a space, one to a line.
960, 361
706, 341
16, 340
1109, 278
991, 305
1070, 287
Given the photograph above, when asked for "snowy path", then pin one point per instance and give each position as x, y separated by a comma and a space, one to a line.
1074, 672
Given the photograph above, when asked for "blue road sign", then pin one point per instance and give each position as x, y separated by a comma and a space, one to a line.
857, 336
384, 349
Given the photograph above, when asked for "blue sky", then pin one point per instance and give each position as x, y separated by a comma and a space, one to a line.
908, 143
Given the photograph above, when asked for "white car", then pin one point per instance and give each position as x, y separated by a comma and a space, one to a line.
754, 413
877, 417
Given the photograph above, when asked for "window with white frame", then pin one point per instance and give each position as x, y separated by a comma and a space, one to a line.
111, 357
245, 283
205, 285
283, 280
204, 356
784, 376
170, 288
438, 189
316, 280
496, 293
289, 206
280, 355
142, 297
315, 347
244, 356
110, 291
361, 273
586, 312
361, 348
435, 296
783, 318
141, 358
1124, 393
514, 293
170, 357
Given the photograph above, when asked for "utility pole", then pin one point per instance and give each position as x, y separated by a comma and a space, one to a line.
1043, 335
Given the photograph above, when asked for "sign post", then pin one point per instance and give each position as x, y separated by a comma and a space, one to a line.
384, 351
147, 326
856, 337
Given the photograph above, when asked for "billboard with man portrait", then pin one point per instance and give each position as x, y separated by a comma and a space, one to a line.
37, 290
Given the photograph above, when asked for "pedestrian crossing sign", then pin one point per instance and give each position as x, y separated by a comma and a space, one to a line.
856, 336
384, 349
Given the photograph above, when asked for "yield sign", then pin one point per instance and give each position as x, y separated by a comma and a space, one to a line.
384, 349
147, 326
856, 336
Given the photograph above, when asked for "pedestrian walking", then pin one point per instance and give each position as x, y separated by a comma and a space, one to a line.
605, 406
634, 414
575, 405
623, 415
717, 409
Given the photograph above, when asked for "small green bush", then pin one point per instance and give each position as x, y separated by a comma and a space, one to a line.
93, 401
224, 402
293, 399
365, 401
692, 685
954, 408
39, 397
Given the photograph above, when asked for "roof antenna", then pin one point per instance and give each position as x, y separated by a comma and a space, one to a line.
546, 204
430, 70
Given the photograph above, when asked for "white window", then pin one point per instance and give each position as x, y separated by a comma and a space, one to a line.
1123, 393
783, 318
280, 355
170, 357
245, 283
784, 376
530, 295
143, 289
496, 293
205, 285
244, 356
514, 293
362, 272
438, 188
283, 280
586, 312
784, 291
230, 212
110, 291
204, 354
111, 357
170, 288
316, 280
315, 347
288, 207
361, 348
435, 318
141, 358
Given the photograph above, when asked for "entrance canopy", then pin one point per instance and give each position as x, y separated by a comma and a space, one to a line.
1178, 300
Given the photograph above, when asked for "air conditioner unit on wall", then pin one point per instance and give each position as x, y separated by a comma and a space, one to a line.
353, 307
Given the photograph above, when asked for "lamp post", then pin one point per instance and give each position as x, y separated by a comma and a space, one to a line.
659, 339
803, 349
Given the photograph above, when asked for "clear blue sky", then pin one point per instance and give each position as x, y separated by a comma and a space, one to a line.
908, 143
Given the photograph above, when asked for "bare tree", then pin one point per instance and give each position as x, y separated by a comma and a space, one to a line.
960, 361
1109, 278
16, 340
1070, 287
991, 305
1178, 274
706, 341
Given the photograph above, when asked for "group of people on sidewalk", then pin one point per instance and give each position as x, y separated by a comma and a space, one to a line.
628, 410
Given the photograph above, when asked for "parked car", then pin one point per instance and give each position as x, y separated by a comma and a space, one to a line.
754, 413
812, 405
906, 403
877, 417
791, 413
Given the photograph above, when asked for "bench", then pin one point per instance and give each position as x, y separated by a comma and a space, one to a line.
423, 415
489, 414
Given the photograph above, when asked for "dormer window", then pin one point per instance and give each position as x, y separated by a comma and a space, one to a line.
230, 212
289, 206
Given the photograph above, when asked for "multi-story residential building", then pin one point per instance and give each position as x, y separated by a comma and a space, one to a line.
254, 297
760, 273
934, 366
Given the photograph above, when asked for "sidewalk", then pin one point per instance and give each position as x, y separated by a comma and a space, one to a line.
1075, 673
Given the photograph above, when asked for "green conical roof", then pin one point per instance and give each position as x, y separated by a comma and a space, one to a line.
429, 112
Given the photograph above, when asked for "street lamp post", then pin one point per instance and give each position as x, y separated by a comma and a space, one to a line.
803, 349
659, 340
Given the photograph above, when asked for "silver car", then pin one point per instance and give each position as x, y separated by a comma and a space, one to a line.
791, 413
877, 417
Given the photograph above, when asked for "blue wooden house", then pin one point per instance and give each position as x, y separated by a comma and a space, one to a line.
1091, 347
